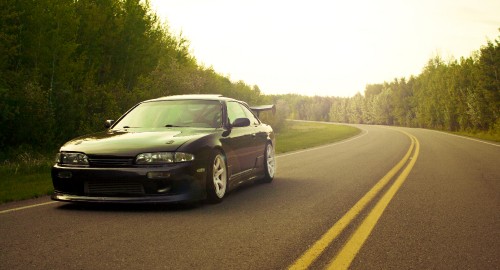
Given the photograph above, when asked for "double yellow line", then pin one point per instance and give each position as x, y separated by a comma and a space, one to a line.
345, 256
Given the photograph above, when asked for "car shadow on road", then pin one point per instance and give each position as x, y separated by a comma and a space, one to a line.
128, 207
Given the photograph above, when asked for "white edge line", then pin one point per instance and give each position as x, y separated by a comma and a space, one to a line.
25, 207
282, 155
445, 133
325, 146
464, 137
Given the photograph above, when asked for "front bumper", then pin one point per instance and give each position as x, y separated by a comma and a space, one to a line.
181, 182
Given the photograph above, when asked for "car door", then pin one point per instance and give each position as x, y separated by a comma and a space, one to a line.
259, 138
239, 140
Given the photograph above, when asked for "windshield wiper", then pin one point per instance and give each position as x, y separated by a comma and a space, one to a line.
169, 125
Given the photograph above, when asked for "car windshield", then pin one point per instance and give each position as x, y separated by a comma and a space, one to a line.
174, 113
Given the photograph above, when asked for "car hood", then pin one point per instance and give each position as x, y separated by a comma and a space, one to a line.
132, 142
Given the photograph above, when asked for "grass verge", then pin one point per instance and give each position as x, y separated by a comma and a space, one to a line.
488, 136
301, 135
28, 175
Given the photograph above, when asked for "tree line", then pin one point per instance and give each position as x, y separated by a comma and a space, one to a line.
67, 65
454, 95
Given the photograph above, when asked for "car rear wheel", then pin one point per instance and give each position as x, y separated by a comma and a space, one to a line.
269, 163
217, 178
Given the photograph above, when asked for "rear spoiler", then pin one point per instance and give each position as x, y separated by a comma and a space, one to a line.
261, 108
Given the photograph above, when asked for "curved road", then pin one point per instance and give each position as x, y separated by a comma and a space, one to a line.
445, 214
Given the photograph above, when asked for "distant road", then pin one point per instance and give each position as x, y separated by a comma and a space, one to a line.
439, 210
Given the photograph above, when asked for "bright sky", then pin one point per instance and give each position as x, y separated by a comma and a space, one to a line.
328, 48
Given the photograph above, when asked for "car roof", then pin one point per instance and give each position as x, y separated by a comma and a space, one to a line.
195, 97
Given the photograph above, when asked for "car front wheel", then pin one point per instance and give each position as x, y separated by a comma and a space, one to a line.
217, 178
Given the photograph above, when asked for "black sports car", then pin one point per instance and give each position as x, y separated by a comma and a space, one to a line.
171, 149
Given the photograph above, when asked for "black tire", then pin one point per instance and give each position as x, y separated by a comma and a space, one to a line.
216, 178
269, 163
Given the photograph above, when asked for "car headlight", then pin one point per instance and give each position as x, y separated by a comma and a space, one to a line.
183, 157
163, 157
72, 158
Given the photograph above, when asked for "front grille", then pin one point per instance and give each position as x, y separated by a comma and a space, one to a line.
111, 162
114, 188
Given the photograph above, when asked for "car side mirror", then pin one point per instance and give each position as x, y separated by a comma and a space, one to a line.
241, 122
109, 123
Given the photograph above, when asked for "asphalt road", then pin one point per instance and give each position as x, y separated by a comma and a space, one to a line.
445, 215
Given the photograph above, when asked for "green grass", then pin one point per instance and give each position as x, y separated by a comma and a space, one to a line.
489, 136
19, 187
302, 135
28, 175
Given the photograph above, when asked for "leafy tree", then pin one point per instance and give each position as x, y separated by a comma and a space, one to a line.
65, 66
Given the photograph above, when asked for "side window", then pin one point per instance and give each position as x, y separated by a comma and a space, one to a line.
251, 116
234, 111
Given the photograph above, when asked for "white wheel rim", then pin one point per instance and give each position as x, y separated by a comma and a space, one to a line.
219, 176
271, 161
